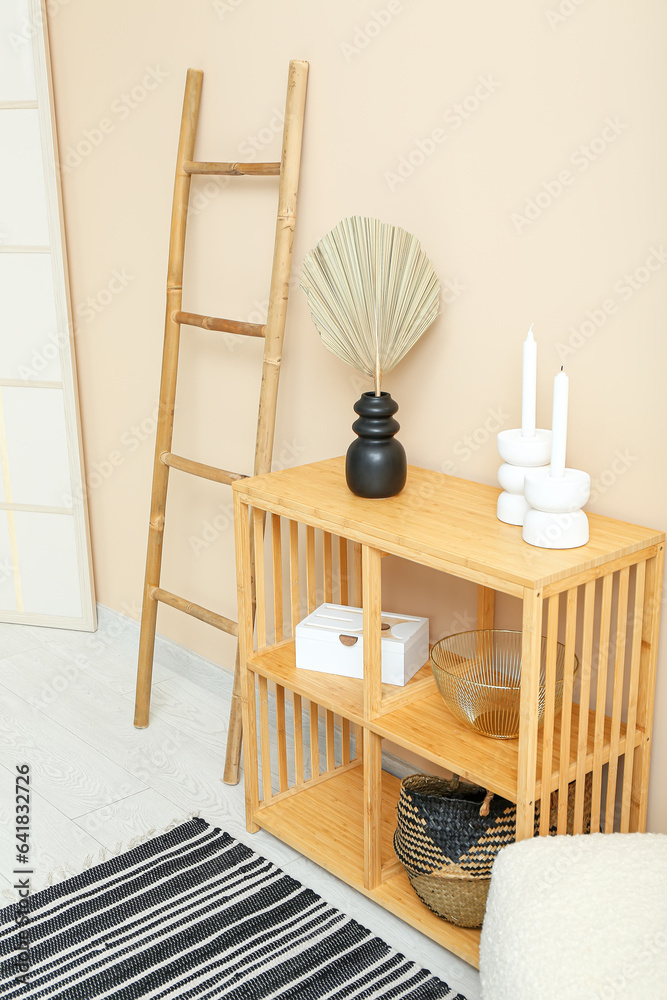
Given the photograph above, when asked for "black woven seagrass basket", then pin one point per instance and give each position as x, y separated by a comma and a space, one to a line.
449, 833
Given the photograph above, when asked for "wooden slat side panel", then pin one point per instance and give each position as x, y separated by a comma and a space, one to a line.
327, 566
311, 579
343, 570
604, 569
531, 651
258, 522
277, 566
646, 695
566, 710
281, 738
298, 739
295, 606
549, 708
601, 699
584, 704
358, 741
356, 575
307, 785
314, 719
617, 706
633, 693
345, 737
264, 738
331, 741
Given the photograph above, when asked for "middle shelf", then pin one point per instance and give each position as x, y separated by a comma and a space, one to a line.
416, 718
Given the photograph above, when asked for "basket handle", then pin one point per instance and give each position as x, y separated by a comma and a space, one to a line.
484, 808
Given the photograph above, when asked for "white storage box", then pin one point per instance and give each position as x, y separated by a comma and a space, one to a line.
331, 641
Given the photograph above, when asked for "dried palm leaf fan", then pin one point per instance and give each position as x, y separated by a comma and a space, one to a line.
372, 292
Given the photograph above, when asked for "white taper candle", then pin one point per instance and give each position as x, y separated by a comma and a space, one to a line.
559, 424
529, 385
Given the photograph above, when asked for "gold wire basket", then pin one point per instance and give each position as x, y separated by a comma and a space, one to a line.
478, 674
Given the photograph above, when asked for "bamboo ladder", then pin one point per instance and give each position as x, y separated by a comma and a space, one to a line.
272, 332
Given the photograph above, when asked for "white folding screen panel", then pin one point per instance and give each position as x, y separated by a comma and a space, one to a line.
45, 563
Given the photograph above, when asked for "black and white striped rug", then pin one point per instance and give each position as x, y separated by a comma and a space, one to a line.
195, 913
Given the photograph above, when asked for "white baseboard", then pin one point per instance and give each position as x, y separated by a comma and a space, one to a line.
166, 650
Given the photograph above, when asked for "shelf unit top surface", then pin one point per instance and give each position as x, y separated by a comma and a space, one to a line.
448, 519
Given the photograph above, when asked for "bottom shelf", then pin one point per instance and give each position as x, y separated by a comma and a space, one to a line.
325, 823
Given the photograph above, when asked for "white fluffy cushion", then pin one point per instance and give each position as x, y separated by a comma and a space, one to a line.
577, 918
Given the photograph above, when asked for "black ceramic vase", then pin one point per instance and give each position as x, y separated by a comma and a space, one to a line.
376, 465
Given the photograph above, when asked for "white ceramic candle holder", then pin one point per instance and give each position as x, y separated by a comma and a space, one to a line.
520, 454
555, 519
515, 449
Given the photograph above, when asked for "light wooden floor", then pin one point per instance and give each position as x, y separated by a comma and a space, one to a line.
66, 707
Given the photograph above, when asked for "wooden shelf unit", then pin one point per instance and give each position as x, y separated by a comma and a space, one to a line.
313, 741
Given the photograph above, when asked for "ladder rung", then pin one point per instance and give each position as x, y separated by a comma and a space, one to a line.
196, 610
220, 325
199, 469
233, 169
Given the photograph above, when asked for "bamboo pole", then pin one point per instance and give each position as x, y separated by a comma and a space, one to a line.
165, 424
232, 169
235, 727
195, 611
200, 470
220, 325
236, 723
290, 163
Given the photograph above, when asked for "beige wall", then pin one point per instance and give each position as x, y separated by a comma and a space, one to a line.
519, 92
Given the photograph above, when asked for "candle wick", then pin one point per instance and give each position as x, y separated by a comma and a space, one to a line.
562, 368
